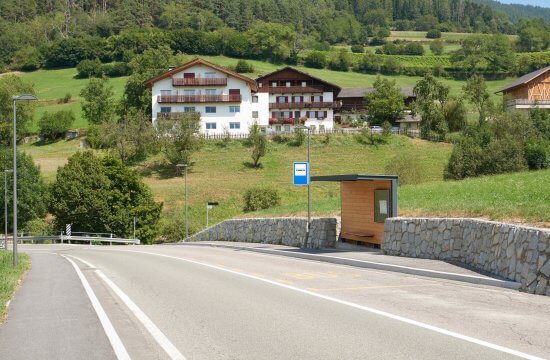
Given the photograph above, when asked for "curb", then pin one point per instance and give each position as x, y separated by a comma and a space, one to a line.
472, 279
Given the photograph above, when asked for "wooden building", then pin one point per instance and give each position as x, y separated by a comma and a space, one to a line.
366, 202
353, 99
529, 91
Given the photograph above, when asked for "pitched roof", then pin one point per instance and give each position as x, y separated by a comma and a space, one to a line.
525, 79
199, 61
355, 92
299, 72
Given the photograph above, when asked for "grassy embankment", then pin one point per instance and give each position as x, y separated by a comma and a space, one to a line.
220, 174
9, 277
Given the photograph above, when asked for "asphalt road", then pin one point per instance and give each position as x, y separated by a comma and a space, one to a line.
161, 302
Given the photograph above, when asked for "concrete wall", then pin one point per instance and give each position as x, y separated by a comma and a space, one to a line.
514, 252
280, 231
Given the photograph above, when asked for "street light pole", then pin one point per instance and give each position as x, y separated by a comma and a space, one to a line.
15, 99
134, 227
184, 166
6, 172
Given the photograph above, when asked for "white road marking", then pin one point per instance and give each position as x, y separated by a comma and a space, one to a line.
353, 305
114, 339
155, 332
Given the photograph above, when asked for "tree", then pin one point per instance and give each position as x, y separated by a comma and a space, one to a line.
258, 141
98, 104
341, 61
89, 68
179, 138
11, 85
32, 193
455, 114
437, 47
476, 92
431, 96
55, 125
316, 59
99, 194
244, 67
27, 59
433, 34
385, 103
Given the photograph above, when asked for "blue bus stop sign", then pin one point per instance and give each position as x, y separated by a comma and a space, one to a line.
300, 174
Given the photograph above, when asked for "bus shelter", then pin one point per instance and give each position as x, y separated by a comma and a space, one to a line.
366, 202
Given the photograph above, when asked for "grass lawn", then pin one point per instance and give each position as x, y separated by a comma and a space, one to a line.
9, 277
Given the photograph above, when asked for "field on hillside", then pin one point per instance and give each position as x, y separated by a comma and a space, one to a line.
421, 36
220, 173
52, 85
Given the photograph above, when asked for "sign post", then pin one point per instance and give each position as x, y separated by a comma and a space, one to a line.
209, 206
300, 176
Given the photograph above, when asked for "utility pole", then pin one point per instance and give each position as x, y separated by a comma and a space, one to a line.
134, 227
184, 166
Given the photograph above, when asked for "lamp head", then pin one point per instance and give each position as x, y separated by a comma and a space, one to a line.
24, 97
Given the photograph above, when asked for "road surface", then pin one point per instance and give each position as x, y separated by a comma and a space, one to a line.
191, 302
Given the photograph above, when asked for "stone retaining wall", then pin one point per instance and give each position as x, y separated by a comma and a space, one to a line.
280, 231
514, 252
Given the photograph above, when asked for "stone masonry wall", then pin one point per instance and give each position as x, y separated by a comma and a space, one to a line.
279, 231
514, 252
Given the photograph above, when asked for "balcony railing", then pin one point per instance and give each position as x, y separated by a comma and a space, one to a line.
164, 99
173, 115
304, 105
199, 81
291, 89
526, 102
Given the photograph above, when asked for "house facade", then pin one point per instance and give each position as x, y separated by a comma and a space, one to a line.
226, 100
529, 91
297, 98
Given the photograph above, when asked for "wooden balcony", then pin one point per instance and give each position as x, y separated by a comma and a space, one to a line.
199, 81
291, 89
173, 115
526, 103
305, 105
177, 99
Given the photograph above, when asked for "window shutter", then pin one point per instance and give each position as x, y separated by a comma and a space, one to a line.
321, 98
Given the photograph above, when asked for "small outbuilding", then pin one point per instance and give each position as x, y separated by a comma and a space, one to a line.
366, 202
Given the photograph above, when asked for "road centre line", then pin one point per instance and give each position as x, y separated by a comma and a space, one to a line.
353, 305
155, 332
112, 335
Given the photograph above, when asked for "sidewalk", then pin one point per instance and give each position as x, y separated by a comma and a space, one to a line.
372, 259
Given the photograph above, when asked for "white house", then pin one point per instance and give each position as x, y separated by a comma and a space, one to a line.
226, 100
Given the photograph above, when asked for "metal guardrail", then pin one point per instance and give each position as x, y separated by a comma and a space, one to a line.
64, 239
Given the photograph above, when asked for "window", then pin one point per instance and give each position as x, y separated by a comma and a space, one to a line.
210, 91
234, 109
286, 114
188, 75
281, 99
287, 128
188, 92
189, 109
274, 83
209, 75
311, 114
303, 84
321, 114
297, 99
210, 110
165, 92
288, 84
260, 85
254, 114
166, 109
263, 129
278, 128
210, 126
316, 98
255, 97
234, 125
234, 92
276, 114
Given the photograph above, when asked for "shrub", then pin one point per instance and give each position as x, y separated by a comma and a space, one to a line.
358, 49
280, 138
298, 138
55, 125
436, 47
341, 61
537, 155
316, 60
116, 69
94, 138
244, 67
27, 59
413, 49
433, 34
369, 63
89, 68
501, 156
465, 159
38, 227
405, 166
391, 66
377, 41
258, 198
65, 99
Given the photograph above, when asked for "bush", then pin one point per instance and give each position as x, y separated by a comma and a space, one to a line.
377, 41
465, 160
38, 227
433, 34
244, 67
65, 99
89, 68
298, 138
537, 155
413, 49
316, 60
27, 59
407, 167
357, 49
391, 66
369, 63
437, 47
258, 198
55, 125
116, 69
94, 138
280, 138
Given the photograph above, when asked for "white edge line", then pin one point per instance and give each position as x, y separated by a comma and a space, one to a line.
155, 332
114, 339
356, 306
